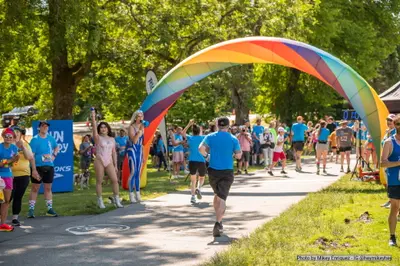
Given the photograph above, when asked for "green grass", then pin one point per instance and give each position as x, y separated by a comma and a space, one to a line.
320, 215
81, 202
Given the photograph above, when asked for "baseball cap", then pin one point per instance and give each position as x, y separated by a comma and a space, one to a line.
390, 116
8, 131
223, 122
43, 122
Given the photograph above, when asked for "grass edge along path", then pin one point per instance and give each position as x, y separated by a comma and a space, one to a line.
328, 222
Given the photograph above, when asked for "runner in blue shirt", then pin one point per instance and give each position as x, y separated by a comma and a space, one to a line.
221, 146
391, 161
322, 146
197, 163
298, 133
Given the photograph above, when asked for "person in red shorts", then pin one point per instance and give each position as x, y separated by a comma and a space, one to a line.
279, 154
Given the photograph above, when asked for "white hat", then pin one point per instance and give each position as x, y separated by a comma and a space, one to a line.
281, 129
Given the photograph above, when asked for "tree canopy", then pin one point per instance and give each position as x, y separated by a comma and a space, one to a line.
67, 55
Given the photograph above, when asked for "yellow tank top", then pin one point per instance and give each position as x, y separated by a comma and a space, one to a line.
22, 167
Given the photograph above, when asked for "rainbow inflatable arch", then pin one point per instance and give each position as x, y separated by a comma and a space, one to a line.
268, 50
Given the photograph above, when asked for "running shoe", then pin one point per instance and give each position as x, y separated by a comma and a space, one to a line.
193, 199
186, 172
348, 171
324, 171
238, 172
117, 202
245, 171
217, 231
270, 173
15, 222
6, 228
341, 169
51, 212
317, 172
132, 197
283, 172
100, 203
198, 194
392, 241
31, 213
297, 169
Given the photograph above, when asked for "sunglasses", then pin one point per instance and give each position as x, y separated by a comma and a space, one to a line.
8, 136
389, 120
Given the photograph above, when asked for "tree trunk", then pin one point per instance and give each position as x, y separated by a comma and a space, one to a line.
241, 109
293, 79
64, 89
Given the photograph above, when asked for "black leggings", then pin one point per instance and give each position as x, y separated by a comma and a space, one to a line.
20, 184
161, 159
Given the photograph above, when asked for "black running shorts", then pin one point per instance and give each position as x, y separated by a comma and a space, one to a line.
220, 181
393, 192
298, 145
344, 149
195, 167
46, 173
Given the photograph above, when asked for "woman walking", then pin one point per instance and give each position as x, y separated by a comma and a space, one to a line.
21, 172
322, 146
135, 154
106, 160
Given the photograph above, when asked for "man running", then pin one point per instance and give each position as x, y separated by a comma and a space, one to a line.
45, 149
197, 163
391, 161
298, 133
279, 154
390, 131
220, 145
344, 139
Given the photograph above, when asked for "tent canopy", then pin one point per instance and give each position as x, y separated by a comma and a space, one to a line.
391, 98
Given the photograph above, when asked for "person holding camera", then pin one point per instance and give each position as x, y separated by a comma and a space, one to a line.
245, 142
268, 147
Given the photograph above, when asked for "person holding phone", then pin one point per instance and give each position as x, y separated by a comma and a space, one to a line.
45, 149
8, 156
135, 154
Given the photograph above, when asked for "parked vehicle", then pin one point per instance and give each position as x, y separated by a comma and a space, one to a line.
17, 114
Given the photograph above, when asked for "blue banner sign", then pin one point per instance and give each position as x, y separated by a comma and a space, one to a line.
62, 131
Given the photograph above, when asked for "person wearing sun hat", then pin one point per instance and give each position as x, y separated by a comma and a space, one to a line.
21, 172
345, 138
8, 156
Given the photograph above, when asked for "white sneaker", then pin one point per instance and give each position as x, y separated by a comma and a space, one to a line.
186, 172
180, 176
193, 200
117, 202
100, 203
138, 196
132, 197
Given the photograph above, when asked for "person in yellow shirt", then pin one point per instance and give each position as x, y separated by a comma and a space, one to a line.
21, 171
332, 141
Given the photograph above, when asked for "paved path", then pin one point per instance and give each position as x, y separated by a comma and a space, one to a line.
164, 231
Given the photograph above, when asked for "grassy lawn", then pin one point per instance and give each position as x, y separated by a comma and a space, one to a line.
316, 225
84, 201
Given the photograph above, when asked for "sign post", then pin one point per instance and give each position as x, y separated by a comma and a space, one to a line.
62, 131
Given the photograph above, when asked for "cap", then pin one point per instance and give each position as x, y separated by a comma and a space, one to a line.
390, 116
223, 122
281, 129
343, 122
8, 131
43, 122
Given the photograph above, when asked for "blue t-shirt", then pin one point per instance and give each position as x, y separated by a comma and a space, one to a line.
7, 154
43, 149
258, 130
299, 130
363, 134
160, 146
222, 145
393, 173
179, 138
324, 134
194, 143
121, 142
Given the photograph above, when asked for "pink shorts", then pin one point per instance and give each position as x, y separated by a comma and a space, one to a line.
8, 182
178, 157
278, 156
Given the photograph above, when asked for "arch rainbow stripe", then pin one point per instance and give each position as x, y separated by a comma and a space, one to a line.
268, 50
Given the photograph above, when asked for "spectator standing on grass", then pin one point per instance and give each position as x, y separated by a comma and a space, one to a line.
160, 149
45, 150
121, 141
21, 172
257, 133
268, 147
391, 161
85, 150
245, 142
219, 147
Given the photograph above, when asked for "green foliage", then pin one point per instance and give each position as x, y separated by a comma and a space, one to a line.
116, 41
